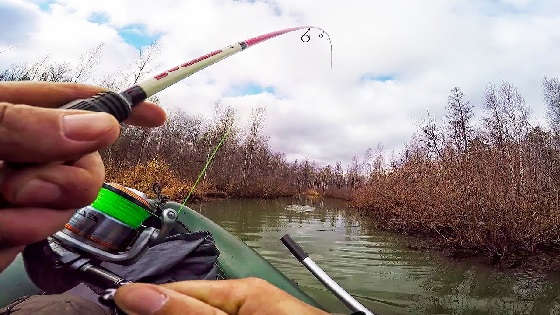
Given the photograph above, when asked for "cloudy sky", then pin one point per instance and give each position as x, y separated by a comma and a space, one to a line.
392, 60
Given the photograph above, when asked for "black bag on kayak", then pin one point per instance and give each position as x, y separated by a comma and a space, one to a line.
185, 256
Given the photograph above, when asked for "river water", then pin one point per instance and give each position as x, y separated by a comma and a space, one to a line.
376, 266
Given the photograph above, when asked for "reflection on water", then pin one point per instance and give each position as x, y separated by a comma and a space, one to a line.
299, 208
376, 267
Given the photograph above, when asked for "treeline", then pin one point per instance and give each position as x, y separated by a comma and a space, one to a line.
244, 167
488, 184
173, 155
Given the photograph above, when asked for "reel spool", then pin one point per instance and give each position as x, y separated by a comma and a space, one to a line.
111, 222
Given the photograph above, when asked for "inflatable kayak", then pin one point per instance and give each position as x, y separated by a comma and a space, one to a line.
236, 260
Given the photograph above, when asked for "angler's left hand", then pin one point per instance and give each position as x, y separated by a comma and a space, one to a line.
249, 296
65, 170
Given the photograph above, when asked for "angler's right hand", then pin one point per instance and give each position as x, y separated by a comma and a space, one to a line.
64, 170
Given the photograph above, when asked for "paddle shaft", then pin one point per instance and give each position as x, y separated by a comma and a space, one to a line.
348, 300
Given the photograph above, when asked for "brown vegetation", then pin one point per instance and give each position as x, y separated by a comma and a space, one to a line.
244, 167
492, 190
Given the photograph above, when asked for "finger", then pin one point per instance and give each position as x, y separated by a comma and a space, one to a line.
53, 95
38, 135
147, 114
243, 296
7, 255
20, 226
227, 295
55, 185
142, 299
44, 94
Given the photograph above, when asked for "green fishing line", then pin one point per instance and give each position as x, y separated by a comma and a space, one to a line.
206, 165
120, 208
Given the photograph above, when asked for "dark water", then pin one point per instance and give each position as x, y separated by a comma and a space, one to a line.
375, 266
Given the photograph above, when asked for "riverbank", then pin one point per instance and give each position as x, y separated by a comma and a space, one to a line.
503, 206
377, 266
441, 224
490, 189
540, 261
144, 175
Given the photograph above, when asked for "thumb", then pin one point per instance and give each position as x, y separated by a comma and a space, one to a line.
144, 299
38, 135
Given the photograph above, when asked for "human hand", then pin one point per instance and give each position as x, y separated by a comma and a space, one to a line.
43, 197
248, 296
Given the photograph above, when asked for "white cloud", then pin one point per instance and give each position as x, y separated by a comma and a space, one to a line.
319, 113
17, 20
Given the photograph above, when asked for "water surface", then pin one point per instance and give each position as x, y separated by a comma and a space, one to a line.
376, 266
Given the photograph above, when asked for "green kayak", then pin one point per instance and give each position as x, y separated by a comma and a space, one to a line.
236, 260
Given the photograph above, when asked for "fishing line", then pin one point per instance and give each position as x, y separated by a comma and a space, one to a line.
208, 162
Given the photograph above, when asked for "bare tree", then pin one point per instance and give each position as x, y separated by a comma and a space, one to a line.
144, 62
354, 172
339, 176
552, 100
88, 61
459, 116
52, 71
432, 136
42, 70
508, 119
140, 67
5, 49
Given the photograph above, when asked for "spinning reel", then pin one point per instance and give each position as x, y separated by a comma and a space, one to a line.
116, 228
110, 229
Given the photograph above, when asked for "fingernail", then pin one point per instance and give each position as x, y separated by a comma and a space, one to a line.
140, 299
87, 127
38, 191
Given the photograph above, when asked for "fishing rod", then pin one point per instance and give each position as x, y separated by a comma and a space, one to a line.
120, 104
113, 229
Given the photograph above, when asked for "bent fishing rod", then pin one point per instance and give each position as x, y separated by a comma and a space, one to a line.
120, 105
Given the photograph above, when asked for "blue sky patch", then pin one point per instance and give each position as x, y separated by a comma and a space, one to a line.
45, 5
250, 89
498, 8
377, 77
137, 36
99, 17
